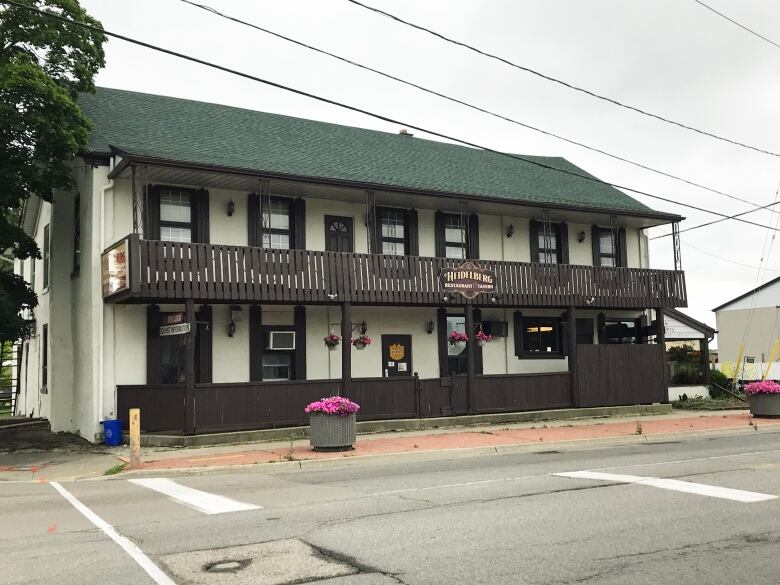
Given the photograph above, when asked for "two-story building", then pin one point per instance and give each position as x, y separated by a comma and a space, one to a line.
208, 251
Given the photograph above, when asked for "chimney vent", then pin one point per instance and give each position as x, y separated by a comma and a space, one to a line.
405, 132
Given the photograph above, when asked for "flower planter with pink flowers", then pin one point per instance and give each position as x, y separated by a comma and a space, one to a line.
764, 398
332, 423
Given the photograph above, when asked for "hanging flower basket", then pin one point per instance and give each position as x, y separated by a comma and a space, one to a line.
332, 423
483, 338
764, 398
361, 342
458, 339
332, 341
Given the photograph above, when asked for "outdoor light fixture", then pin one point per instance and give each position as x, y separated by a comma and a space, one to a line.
231, 209
590, 300
510, 230
448, 296
231, 329
429, 326
333, 296
581, 236
495, 297
363, 328
235, 315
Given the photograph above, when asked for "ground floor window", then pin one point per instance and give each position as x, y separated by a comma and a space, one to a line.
616, 331
173, 355
686, 363
277, 365
456, 355
538, 337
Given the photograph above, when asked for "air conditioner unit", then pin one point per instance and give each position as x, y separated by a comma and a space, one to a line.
281, 340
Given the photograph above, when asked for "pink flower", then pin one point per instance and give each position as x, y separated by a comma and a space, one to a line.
457, 336
763, 387
333, 405
482, 336
362, 340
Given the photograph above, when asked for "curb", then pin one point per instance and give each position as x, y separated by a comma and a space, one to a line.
409, 424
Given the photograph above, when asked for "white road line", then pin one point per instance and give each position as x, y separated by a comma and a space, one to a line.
196, 499
129, 547
675, 485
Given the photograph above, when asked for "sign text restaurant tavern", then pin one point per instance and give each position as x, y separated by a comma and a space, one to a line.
208, 251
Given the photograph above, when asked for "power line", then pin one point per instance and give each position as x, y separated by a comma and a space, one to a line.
461, 102
687, 245
366, 112
561, 82
742, 26
735, 216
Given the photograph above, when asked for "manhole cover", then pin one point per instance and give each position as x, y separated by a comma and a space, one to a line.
266, 563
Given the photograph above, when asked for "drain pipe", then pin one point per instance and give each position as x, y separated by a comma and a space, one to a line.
101, 324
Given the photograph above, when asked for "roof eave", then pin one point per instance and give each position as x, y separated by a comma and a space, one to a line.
129, 159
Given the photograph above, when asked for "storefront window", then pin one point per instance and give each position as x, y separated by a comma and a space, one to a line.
686, 363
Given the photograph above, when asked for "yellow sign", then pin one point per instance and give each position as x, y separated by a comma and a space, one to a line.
396, 351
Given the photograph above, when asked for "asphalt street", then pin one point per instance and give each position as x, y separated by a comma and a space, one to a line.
699, 510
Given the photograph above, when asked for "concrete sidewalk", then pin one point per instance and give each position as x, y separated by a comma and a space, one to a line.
498, 437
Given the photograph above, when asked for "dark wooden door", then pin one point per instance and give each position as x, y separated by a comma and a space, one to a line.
396, 355
339, 234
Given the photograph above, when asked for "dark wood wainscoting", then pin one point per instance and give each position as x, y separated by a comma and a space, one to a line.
517, 392
162, 406
621, 375
384, 398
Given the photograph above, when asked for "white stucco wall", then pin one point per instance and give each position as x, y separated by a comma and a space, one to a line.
317, 209
225, 229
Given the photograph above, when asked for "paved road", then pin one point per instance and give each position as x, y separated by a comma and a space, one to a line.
486, 519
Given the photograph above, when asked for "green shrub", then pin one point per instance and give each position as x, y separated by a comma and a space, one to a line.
718, 378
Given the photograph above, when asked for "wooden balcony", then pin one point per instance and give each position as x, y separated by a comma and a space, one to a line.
168, 271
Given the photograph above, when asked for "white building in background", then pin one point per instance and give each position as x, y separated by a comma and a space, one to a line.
749, 333
207, 251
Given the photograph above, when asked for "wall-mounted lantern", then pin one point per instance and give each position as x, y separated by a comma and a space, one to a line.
231, 208
429, 327
235, 315
510, 230
581, 236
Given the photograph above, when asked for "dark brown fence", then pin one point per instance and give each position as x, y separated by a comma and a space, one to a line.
619, 375
172, 270
384, 398
162, 407
517, 392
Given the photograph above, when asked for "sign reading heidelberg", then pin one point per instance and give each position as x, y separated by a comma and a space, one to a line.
468, 279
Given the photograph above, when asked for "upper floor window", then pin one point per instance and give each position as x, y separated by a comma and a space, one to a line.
609, 246
454, 236
605, 246
394, 231
276, 224
175, 215
46, 256
549, 243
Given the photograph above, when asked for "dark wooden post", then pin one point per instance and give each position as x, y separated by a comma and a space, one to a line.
571, 320
346, 346
189, 370
660, 339
470, 382
705, 357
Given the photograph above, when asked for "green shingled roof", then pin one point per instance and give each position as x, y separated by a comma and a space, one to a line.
211, 134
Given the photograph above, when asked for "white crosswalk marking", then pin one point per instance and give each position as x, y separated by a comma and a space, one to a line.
675, 485
199, 500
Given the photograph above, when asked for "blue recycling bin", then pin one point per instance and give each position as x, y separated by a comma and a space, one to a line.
112, 432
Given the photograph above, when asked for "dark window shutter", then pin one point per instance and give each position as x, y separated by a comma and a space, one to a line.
563, 243
300, 342
563, 334
585, 331
299, 224
414, 236
439, 235
255, 344
153, 344
473, 242
518, 325
441, 331
253, 219
152, 213
203, 345
374, 229
477, 348
533, 230
601, 324
200, 216
594, 240
622, 251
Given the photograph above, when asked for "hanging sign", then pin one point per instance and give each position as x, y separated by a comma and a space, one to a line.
468, 279
114, 269
179, 329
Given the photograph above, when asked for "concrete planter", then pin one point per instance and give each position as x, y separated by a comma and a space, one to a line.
765, 405
329, 432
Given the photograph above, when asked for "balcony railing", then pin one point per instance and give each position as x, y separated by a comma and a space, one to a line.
165, 271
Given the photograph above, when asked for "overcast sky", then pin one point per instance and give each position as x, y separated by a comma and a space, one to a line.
670, 57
